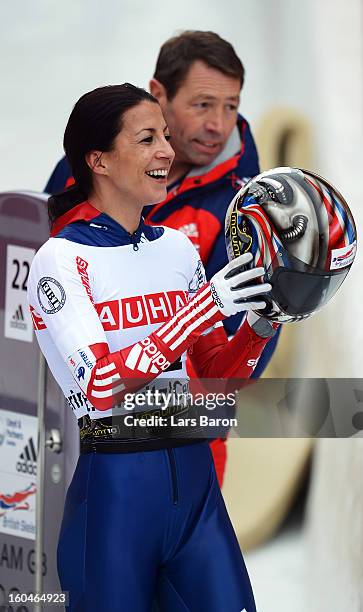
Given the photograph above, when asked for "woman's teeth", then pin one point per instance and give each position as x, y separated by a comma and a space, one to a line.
157, 173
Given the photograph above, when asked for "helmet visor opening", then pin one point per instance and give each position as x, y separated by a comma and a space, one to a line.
300, 293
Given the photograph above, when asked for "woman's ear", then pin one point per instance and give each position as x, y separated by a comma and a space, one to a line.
94, 161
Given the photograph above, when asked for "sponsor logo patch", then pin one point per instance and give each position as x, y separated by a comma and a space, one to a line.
81, 364
146, 357
27, 461
17, 499
80, 373
341, 258
234, 234
77, 400
198, 279
18, 320
82, 266
98, 430
139, 310
215, 296
51, 295
85, 358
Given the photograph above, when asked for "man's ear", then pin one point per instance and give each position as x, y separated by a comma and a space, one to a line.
94, 161
158, 90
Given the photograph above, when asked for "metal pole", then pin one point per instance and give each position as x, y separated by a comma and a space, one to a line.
39, 513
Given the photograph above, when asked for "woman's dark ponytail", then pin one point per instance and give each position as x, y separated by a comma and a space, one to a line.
60, 203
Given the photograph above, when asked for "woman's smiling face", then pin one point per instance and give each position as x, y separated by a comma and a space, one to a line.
140, 159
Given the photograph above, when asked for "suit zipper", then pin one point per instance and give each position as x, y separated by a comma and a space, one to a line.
174, 480
133, 240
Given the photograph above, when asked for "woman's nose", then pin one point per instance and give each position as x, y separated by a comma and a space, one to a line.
166, 151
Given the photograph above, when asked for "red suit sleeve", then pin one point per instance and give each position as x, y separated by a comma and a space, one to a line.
214, 356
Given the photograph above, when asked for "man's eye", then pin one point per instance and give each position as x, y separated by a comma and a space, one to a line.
148, 139
167, 137
201, 104
232, 107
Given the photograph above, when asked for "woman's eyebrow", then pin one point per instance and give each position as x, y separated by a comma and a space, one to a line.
145, 130
150, 130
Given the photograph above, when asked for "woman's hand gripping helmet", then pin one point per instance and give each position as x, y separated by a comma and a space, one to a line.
300, 229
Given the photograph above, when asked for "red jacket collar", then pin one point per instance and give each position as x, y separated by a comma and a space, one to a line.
82, 212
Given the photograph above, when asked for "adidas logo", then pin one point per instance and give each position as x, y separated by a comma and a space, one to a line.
27, 462
190, 230
147, 358
18, 321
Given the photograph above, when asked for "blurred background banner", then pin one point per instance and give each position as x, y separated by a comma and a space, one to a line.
303, 97
23, 228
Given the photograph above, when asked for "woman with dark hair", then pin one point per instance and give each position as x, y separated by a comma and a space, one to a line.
116, 304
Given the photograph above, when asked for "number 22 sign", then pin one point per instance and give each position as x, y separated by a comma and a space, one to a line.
17, 321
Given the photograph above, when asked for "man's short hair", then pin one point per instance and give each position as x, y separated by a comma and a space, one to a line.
178, 54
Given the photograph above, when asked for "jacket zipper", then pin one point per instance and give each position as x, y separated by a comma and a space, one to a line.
133, 240
174, 480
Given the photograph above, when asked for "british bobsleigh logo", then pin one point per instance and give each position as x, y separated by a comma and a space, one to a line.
341, 258
16, 500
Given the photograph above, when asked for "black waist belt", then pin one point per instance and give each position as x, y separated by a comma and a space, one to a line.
141, 431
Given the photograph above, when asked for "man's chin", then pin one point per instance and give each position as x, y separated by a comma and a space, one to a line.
203, 159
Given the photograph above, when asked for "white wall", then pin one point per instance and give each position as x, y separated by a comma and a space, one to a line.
332, 341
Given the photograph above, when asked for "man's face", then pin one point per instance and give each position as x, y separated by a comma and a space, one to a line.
202, 114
